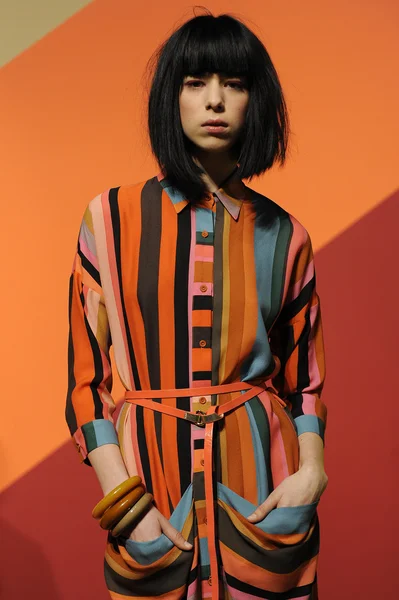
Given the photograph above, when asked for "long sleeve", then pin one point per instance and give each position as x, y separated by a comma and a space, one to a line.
297, 340
89, 404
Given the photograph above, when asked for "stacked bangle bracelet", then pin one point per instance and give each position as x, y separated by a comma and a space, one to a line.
123, 506
133, 515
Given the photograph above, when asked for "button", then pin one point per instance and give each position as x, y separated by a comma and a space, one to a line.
204, 234
210, 580
202, 462
202, 400
202, 343
203, 288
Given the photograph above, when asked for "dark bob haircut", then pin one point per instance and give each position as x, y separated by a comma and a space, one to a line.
209, 44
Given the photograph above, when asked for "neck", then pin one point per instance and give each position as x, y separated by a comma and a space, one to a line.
217, 168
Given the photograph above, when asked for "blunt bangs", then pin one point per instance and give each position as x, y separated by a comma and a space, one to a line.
214, 46
203, 45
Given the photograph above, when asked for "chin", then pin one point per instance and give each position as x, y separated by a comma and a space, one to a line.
215, 148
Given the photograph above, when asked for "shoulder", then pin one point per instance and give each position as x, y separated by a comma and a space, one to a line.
103, 213
269, 212
117, 198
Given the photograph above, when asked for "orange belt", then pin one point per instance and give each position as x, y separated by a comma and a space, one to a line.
201, 419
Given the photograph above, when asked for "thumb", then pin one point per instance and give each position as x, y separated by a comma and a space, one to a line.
264, 508
174, 535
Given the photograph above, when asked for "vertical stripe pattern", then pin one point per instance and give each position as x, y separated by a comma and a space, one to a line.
192, 297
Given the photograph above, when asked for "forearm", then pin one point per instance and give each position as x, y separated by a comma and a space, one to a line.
109, 466
311, 450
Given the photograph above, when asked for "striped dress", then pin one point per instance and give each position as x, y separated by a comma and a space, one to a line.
191, 298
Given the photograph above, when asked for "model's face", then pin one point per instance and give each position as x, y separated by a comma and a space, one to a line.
213, 96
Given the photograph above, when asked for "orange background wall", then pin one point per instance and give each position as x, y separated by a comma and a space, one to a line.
72, 125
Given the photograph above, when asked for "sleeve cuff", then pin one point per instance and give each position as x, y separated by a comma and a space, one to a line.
310, 423
94, 434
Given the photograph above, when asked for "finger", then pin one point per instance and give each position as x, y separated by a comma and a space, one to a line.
174, 535
263, 509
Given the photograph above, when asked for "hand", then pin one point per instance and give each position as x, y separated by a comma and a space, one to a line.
152, 525
303, 487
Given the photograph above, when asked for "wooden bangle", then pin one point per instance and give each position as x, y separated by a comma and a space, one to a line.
133, 515
120, 508
114, 495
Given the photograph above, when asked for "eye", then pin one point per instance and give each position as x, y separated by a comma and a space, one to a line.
238, 85
194, 84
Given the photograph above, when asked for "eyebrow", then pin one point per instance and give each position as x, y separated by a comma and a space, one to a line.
222, 75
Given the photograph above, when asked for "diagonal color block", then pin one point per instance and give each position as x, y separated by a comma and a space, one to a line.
23, 22
359, 287
51, 539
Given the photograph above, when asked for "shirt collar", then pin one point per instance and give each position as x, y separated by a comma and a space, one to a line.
231, 193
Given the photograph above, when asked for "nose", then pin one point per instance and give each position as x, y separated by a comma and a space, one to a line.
215, 95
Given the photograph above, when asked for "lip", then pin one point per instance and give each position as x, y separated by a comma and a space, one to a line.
215, 123
216, 129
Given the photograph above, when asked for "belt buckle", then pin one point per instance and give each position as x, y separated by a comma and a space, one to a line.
198, 418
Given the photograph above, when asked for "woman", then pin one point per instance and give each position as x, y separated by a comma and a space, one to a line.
206, 289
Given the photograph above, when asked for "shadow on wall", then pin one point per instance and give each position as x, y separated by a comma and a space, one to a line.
25, 570
51, 547
359, 287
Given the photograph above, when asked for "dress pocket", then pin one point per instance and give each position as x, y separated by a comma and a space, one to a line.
279, 552
286, 520
154, 568
149, 552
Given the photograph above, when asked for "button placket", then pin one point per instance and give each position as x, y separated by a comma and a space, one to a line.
202, 351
